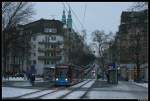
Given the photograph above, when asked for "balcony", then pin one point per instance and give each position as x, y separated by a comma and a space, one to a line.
58, 49
41, 50
49, 57
49, 49
57, 42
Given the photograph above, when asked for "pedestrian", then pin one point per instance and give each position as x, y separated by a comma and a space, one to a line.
32, 73
27, 73
5, 75
107, 77
24, 75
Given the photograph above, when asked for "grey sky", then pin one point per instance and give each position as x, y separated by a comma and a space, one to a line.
99, 15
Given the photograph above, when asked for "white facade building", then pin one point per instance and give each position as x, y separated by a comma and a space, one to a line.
47, 43
38, 49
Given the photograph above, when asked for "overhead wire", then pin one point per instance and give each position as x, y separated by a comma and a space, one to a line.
76, 16
84, 13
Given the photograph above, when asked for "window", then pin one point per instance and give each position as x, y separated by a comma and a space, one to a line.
34, 38
34, 46
45, 54
46, 38
47, 62
34, 54
52, 30
53, 37
48, 45
34, 61
52, 62
49, 54
49, 38
53, 46
52, 54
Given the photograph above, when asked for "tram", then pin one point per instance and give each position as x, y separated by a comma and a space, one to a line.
66, 75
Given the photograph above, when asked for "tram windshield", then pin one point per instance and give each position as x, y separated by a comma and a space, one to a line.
62, 73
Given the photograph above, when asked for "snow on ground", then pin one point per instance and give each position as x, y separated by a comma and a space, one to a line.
55, 94
79, 84
89, 84
39, 79
14, 79
121, 86
22, 84
14, 92
19, 79
109, 95
75, 95
142, 84
37, 94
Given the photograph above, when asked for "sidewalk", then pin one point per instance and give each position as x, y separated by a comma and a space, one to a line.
19, 79
8, 92
142, 84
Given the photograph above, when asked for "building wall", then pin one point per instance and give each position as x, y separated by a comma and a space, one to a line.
130, 21
39, 30
42, 38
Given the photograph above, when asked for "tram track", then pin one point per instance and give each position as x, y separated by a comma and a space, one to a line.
62, 89
84, 95
75, 89
24, 96
18, 97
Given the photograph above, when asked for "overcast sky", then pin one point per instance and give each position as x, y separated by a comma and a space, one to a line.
99, 15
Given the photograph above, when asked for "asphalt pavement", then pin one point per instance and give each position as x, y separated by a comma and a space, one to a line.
123, 90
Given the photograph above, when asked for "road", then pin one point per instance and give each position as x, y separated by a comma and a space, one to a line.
123, 90
89, 89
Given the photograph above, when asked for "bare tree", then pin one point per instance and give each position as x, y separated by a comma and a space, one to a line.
13, 13
102, 43
138, 6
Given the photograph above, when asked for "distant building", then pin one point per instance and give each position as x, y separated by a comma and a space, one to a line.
132, 23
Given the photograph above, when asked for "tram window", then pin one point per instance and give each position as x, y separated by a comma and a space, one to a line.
62, 73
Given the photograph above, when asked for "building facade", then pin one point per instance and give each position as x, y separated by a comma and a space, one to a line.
47, 43
46, 47
132, 42
131, 24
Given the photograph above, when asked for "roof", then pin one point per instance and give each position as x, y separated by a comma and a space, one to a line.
43, 20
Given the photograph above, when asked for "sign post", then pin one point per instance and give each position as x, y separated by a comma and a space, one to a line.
112, 74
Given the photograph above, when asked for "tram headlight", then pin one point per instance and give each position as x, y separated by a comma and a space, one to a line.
56, 79
66, 79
